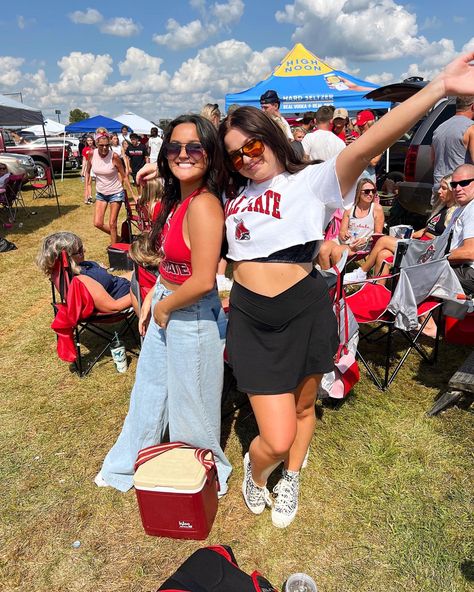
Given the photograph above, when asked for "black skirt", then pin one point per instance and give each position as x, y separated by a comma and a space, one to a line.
273, 343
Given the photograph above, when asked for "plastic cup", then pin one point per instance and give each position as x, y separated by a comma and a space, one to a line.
300, 582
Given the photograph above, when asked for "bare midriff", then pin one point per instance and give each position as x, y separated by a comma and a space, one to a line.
269, 279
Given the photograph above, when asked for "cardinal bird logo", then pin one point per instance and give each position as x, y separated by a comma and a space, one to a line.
427, 255
241, 232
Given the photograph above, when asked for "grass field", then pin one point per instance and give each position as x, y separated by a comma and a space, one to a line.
386, 502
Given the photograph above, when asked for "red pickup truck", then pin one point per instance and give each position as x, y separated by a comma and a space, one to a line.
39, 153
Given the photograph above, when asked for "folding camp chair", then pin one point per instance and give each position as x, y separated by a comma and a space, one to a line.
134, 221
43, 187
11, 198
416, 291
74, 314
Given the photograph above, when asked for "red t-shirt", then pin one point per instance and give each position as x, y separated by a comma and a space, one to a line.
87, 150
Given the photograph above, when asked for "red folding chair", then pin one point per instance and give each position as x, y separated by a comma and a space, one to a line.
43, 187
75, 314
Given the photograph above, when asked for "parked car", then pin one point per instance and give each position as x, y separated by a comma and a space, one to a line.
414, 194
39, 153
19, 164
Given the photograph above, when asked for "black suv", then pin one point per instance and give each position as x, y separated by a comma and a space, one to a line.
415, 192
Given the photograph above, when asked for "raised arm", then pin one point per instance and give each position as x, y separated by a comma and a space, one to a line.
456, 79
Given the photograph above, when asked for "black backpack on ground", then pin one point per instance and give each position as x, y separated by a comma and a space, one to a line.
214, 569
6, 245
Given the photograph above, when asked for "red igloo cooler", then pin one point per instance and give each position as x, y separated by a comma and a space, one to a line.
176, 487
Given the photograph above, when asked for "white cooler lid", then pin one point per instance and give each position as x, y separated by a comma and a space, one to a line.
174, 469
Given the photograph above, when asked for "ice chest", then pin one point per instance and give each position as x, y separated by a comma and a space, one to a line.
176, 487
460, 331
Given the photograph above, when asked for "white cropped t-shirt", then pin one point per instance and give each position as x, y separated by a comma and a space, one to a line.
290, 209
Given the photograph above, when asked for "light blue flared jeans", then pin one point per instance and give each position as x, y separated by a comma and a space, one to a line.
178, 382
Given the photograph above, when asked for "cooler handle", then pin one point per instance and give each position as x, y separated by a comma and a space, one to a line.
200, 454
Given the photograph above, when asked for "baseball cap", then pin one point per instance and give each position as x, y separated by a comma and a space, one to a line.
364, 116
340, 113
270, 96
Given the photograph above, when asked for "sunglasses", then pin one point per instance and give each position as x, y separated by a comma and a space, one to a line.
369, 191
253, 149
194, 150
463, 183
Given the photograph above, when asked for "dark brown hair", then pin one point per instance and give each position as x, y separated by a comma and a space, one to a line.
257, 124
212, 179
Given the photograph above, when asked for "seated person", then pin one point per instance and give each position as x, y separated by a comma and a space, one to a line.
4, 175
149, 203
386, 245
359, 223
110, 293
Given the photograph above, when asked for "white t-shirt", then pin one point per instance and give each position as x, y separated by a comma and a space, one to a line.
154, 145
286, 128
285, 211
122, 138
462, 224
322, 145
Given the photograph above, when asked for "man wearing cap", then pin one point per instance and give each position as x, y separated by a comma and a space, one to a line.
365, 120
270, 104
340, 120
322, 144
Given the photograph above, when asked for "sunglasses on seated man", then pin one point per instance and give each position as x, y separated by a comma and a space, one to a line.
253, 149
463, 183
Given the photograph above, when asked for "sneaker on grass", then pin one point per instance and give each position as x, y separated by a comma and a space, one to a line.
286, 504
358, 275
255, 497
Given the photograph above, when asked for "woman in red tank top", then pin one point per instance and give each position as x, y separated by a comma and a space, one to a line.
180, 370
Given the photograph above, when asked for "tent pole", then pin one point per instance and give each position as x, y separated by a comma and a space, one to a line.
51, 167
64, 148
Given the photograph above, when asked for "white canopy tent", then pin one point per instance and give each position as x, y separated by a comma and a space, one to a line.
137, 124
53, 128
15, 114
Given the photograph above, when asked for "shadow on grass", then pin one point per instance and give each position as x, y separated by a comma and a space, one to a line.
34, 221
467, 570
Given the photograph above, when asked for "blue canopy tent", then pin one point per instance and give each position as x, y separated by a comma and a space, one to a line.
91, 124
305, 83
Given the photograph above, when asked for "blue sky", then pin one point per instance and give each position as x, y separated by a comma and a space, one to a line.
159, 59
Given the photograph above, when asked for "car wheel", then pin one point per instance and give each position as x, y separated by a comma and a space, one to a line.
40, 169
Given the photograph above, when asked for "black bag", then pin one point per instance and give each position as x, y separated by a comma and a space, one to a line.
215, 569
6, 245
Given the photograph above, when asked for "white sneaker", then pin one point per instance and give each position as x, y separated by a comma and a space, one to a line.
99, 480
224, 284
286, 504
255, 497
358, 275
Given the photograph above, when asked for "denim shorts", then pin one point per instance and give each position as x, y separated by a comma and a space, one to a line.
115, 197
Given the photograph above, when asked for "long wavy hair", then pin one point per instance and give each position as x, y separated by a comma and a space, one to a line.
213, 178
256, 124
51, 249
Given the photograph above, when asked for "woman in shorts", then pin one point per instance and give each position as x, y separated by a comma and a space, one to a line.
109, 176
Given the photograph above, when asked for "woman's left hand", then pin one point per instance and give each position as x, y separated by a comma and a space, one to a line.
458, 76
161, 315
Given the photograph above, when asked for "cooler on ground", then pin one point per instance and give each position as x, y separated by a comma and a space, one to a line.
176, 487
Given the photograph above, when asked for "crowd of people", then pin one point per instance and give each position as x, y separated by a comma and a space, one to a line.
281, 334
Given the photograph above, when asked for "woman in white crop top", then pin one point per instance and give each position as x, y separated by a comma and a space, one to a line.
282, 333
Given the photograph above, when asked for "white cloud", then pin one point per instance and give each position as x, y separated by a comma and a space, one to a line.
121, 27
83, 73
228, 66
90, 17
432, 22
181, 37
380, 79
214, 19
363, 29
10, 72
143, 76
228, 13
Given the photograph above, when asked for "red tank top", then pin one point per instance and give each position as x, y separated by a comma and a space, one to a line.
175, 266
